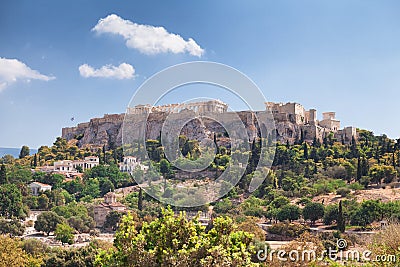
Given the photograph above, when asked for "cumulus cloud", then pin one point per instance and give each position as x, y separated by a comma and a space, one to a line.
147, 39
12, 70
123, 71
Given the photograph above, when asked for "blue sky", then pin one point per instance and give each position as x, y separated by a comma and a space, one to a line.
341, 56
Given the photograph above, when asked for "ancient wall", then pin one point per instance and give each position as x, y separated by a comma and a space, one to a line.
290, 119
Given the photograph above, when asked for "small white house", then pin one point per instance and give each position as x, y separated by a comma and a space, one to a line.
130, 163
37, 187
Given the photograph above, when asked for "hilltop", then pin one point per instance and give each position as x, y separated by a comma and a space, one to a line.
292, 121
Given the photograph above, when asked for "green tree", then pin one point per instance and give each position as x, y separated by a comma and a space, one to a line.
11, 201
81, 223
35, 161
43, 202
47, 222
331, 214
313, 211
379, 172
3, 175
341, 222
164, 169
368, 212
24, 152
175, 241
288, 212
305, 150
112, 220
280, 201
106, 186
11, 253
140, 199
64, 233
11, 227
91, 188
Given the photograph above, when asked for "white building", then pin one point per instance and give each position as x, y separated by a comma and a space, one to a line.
64, 166
88, 163
37, 187
130, 163
70, 166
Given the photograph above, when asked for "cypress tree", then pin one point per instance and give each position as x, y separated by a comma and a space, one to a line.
341, 223
301, 136
104, 154
115, 156
359, 170
325, 141
354, 151
35, 161
305, 148
140, 200
3, 174
314, 143
215, 142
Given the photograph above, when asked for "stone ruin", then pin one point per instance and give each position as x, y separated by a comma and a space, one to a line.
292, 120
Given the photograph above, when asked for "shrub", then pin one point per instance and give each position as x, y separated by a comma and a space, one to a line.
287, 229
343, 191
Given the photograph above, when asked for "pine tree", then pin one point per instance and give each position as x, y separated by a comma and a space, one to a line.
24, 152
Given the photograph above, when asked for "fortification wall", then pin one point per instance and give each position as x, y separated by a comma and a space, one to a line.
108, 129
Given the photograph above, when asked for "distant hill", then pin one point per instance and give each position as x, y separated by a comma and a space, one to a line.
13, 151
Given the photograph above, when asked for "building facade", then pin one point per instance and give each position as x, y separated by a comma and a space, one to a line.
109, 204
37, 187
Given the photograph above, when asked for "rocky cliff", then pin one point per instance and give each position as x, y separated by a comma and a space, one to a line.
108, 130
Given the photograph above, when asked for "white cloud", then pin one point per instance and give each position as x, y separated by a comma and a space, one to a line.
123, 71
12, 70
146, 38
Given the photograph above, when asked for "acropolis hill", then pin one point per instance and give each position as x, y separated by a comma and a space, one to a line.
291, 121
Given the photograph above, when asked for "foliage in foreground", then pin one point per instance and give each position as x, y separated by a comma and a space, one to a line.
175, 241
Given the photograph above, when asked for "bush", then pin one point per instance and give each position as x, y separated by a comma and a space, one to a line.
356, 186
343, 191
287, 229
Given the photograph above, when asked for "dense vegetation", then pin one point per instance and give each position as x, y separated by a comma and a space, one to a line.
301, 174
